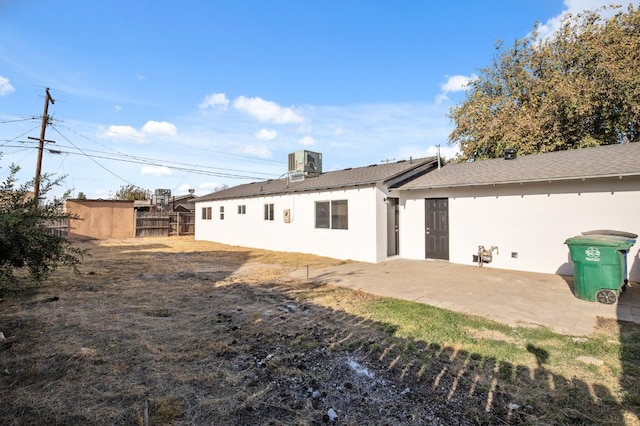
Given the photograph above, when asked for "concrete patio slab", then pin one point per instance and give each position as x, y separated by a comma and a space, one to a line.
510, 297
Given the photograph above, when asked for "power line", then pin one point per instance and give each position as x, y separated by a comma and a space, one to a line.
114, 155
90, 158
154, 162
22, 116
159, 162
187, 167
18, 120
19, 136
225, 154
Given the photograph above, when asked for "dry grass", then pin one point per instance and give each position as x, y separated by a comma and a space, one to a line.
200, 333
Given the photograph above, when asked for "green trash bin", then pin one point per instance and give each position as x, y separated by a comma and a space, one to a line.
599, 266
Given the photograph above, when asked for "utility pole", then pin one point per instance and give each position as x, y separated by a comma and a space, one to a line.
45, 121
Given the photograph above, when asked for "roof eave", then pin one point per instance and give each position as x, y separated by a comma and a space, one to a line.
289, 191
522, 181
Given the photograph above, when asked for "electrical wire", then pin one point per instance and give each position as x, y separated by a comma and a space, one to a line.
17, 121
19, 136
114, 155
150, 162
22, 116
175, 165
226, 154
91, 158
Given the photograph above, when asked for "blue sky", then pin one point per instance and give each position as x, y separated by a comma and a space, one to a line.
198, 94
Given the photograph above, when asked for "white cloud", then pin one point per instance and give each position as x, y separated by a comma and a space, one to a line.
117, 108
267, 111
5, 86
184, 189
123, 133
159, 128
454, 83
379, 131
155, 171
447, 151
130, 133
307, 140
140, 76
338, 131
574, 7
215, 100
457, 83
266, 134
416, 151
210, 186
259, 151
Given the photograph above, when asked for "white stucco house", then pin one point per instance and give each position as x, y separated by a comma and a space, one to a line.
345, 214
525, 206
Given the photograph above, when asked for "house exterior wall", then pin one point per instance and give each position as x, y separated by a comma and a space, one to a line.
532, 220
100, 219
361, 241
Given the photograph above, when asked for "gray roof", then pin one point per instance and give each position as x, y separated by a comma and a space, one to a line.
603, 161
352, 177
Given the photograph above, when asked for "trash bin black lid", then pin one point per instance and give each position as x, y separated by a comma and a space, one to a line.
611, 232
620, 243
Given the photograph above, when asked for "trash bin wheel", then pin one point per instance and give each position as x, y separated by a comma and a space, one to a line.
607, 297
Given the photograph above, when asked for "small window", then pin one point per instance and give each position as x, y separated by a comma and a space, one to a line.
206, 213
322, 214
242, 209
221, 212
339, 214
268, 212
334, 214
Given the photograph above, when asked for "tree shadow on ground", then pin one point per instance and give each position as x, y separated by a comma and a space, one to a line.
629, 336
189, 347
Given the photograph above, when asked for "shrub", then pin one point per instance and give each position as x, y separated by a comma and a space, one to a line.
25, 241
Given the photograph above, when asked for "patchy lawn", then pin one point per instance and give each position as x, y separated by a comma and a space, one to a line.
167, 331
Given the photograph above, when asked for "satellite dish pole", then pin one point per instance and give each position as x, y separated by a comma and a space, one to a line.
45, 121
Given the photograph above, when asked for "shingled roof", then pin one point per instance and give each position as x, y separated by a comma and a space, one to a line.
603, 161
352, 177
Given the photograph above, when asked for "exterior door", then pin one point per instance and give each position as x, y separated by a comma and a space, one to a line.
437, 228
393, 230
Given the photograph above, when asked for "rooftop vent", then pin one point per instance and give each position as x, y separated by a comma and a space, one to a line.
509, 154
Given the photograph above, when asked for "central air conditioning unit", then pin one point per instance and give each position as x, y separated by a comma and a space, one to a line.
307, 162
162, 196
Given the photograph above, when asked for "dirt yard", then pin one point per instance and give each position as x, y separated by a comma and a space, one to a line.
170, 331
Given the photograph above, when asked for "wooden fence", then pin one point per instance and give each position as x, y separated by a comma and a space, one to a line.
151, 224
146, 225
59, 227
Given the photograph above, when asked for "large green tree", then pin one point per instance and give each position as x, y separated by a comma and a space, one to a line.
577, 88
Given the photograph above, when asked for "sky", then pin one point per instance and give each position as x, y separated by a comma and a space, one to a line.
204, 93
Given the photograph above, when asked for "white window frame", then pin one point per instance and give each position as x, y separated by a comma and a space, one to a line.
269, 212
207, 213
333, 217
